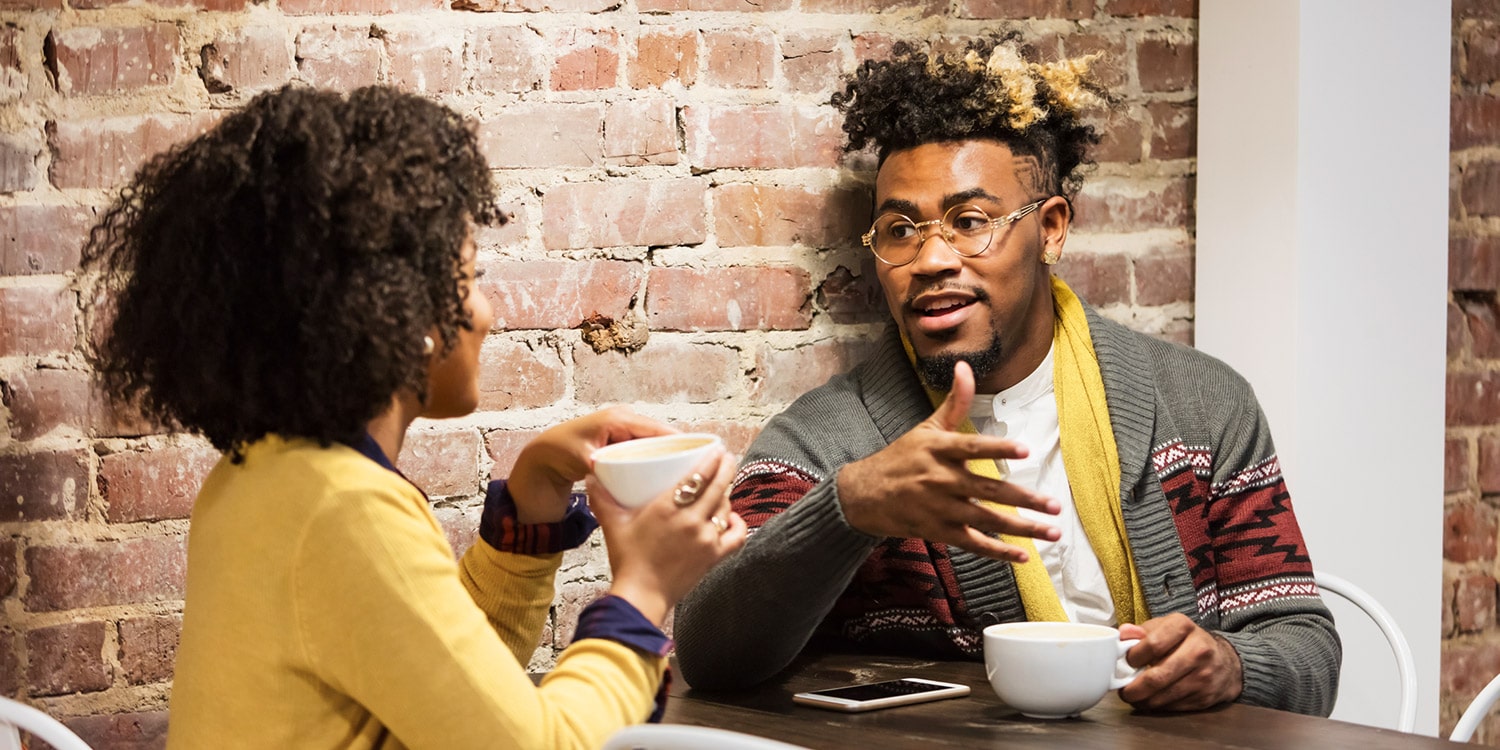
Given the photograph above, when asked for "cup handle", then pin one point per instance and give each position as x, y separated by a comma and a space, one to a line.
1115, 683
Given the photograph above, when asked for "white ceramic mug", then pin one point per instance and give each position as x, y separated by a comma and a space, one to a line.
634, 471
1053, 670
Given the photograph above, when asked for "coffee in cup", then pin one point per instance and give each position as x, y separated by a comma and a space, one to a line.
1053, 670
635, 471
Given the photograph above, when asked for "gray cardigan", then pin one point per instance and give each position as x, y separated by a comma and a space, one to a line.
1224, 549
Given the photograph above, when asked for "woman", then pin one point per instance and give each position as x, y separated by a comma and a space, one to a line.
298, 285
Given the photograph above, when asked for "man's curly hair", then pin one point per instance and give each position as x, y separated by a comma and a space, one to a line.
986, 90
278, 273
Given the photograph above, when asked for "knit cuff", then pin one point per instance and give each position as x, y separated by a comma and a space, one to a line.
498, 525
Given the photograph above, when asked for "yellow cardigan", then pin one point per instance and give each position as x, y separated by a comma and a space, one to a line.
325, 610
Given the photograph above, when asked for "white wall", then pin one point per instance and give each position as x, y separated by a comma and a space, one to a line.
1322, 277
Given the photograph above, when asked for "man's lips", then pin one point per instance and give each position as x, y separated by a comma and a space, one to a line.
936, 312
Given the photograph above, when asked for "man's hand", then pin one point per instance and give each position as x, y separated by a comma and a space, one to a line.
918, 486
1183, 667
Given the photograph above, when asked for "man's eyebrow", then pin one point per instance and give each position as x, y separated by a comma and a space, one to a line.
969, 195
897, 205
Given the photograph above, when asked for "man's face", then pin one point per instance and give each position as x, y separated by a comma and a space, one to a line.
993, 310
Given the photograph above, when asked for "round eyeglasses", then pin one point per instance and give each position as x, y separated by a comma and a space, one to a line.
965, 228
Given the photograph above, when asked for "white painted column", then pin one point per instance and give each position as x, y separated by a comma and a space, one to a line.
1322, 277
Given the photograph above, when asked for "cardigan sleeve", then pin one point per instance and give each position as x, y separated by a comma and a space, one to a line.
385, 616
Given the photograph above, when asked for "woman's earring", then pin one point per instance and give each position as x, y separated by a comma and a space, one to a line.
428, 345
1050, 256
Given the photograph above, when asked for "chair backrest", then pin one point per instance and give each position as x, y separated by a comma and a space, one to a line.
1479, 708
686, 737
16, 717
1405, 664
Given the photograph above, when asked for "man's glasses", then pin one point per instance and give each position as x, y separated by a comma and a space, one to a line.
966, 229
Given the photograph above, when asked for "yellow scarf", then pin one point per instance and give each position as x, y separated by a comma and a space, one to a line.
1092, 463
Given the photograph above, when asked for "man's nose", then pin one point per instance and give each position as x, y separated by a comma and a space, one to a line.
934, 256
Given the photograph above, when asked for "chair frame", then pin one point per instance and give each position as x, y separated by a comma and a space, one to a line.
1406, 665
1478, 709
16, 717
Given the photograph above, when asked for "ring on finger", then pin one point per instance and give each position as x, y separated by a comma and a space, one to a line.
687, 492
718, 523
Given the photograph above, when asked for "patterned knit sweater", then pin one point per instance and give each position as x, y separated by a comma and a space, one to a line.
1208, 517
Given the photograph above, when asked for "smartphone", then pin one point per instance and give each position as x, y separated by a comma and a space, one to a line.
870, 696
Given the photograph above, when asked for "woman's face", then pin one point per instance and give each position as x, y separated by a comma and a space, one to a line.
453, 376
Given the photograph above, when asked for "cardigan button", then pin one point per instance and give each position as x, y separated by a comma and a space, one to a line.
988, 618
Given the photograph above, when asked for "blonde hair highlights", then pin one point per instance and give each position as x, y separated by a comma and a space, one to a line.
1072, 87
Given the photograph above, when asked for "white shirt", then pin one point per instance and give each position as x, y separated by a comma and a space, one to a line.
1027, 412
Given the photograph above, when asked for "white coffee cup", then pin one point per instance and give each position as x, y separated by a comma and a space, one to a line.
1053, 670
635, 471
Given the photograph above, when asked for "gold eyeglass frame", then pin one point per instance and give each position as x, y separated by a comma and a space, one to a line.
868, 238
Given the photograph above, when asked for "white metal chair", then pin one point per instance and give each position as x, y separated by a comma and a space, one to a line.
1405, 664
1475, 713
687, 737
16, 717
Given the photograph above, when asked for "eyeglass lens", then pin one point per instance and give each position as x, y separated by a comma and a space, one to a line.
966, 229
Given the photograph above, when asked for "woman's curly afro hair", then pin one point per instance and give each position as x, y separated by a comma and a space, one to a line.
986, 90
278, 273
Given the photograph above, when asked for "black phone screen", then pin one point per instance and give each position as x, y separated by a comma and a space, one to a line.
876, 690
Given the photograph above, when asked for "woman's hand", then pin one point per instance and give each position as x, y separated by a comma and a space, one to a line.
659, 551
549, 465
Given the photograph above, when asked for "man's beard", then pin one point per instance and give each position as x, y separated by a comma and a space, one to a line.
937, 370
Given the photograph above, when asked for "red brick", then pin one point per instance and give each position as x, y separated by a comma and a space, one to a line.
7, 571
624, 212
321, 7
147, 647
1069, 9
513, 375
736, 6
36, 320
91, 60
153, 485
544, 135
514, 231
1484, 334
547, 294
18, 164
1456, 332
1164, 276
1112, 69
587, 60
853, 298
663, 55
1474, 121
105, 152
254, 59
1480, 188
508, 59
1489, 465
42, 239
873, 46
743, 58
144, 730
504, 447
10, 663
728, 299
339, 57
1177, 8
149, 569
1446, 624
1469, 667
425, 61
1473, 399
665, 372
460, 526
781, 375
1456, 471
215, 5
1474, 602
1167, 64
537, 6
444, 463
110, 418
42, 400
1481, 49
66, 659
1468, 532
1121, 141
1102, 279
572, 597
811, 62
1118, 205
766, 136
1174, 130
30, 4
638, 132
774, 215
1474, 263
44, 486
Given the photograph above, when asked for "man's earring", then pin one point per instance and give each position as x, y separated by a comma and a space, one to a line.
428, 345
1050, 256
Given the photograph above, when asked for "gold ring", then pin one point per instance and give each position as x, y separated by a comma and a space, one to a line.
688, 491
719, 523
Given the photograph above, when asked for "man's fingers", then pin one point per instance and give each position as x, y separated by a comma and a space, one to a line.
955, 408
974, 541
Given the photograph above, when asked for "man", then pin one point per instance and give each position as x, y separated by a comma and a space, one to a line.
1129, 481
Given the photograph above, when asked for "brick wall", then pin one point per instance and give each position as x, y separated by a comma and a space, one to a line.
1471, 635
674, 167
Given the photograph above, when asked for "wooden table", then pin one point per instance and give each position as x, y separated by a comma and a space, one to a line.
982, 721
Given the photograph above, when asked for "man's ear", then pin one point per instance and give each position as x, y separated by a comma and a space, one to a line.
1055, 216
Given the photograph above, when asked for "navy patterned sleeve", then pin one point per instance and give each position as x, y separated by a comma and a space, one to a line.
499, 528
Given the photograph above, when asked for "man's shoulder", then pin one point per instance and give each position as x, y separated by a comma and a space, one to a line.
1179, 368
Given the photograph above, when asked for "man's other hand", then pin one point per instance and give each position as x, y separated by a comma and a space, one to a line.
1183, 667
